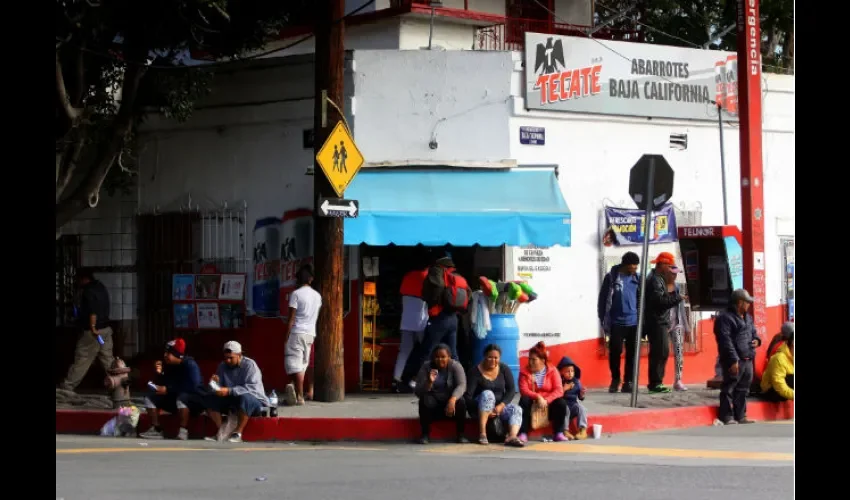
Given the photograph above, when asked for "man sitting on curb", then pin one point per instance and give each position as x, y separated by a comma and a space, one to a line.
238, 387
177, 386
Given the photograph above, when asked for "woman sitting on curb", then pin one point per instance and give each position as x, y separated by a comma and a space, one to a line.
440, 385
777, 382
540, 385
489, 391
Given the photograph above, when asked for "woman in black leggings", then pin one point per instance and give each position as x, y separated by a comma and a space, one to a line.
440, 385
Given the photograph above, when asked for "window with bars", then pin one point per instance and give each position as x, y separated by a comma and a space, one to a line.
67, 263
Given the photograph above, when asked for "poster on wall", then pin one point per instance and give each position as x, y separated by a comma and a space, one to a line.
206, 286
185, 316
532, 260
626, 226
735, 255
183, 287
582, 75
266, 286
232, 287
208, 315
296, 250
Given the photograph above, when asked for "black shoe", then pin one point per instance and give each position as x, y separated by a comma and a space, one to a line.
395, 387
614, 387
627, 388
424, 440
462, 440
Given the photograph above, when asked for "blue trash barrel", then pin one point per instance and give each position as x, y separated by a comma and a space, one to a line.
505, 334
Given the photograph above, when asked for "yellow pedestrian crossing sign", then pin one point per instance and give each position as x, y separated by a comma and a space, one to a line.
339, 158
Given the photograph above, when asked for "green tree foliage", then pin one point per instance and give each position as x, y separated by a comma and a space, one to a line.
695, 23
117, 60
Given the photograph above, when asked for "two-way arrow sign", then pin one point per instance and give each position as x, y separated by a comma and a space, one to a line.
337, 207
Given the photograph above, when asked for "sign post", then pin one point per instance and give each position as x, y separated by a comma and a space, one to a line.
650, 186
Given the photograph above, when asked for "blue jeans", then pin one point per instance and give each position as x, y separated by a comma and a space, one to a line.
244, 403
441, 328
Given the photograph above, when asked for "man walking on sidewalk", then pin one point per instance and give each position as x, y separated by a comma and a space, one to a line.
661, 297
618, 314
737, 340
95, 340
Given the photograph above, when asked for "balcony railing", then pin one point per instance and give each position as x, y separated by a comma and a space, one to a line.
510, 35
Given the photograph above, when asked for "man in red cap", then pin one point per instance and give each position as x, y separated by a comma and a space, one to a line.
176, 389
662, 296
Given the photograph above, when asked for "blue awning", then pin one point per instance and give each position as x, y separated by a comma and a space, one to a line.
462, 208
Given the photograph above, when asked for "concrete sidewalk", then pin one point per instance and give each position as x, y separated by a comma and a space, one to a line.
390, 417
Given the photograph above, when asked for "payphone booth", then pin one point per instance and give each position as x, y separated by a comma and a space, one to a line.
713, 262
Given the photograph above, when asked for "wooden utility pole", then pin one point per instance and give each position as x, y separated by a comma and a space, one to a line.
327, 240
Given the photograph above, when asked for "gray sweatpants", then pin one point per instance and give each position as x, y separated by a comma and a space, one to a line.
84, 355
576, 410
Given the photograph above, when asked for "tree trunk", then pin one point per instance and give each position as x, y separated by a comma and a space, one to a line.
107, 150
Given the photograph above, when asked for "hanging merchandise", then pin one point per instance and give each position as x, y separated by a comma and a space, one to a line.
479, 313
506, 297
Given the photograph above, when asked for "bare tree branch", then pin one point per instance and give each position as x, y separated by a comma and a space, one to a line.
68, 165
63, 101
109, 148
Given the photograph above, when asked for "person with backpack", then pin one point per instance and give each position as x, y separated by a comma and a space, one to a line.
446, 293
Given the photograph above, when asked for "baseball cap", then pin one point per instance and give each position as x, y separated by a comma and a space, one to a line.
664, 258
234, 347
176, 347
741, 294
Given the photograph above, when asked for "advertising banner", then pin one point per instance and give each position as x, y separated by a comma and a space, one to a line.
266, 283
583, 75
626, 226
296, 250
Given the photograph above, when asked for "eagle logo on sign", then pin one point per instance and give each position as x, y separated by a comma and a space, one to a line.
549, 56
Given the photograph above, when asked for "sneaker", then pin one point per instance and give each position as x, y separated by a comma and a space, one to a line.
151, 433
627, 388
235, 438
300, 402
183, 434
423, 440
395, 387
679, 386
559, 437
660, 389
523, 437
746, 420
731, 421
289, 395
614, 387
582, 433
211, 439
462, 440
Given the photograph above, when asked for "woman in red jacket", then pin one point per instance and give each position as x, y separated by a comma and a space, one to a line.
540, 384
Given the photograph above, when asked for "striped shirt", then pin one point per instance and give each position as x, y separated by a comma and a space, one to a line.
539, 377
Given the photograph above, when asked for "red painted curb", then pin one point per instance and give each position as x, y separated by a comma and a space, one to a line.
402, 429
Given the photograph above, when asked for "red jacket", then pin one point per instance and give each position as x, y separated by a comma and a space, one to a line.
551, 389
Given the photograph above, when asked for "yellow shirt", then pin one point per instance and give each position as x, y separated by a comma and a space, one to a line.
780, 365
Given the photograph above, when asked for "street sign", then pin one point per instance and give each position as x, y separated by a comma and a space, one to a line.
339, 158
337, 207
662, 181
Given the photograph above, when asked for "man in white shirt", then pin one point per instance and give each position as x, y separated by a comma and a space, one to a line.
304, 305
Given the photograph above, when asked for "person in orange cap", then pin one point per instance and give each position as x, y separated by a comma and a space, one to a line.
661, 296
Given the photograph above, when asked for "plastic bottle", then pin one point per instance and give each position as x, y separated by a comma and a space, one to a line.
273, 403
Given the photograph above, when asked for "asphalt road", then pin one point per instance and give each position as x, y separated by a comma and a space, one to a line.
752, 462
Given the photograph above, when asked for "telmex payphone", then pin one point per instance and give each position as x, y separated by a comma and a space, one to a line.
713, 264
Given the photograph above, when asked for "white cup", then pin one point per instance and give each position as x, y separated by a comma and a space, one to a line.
597, 431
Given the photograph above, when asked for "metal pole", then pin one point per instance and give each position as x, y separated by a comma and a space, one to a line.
647, 231
431, 28
722, 164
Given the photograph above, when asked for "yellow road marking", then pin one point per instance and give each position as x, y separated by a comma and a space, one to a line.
622, 450
786, 422
80, 451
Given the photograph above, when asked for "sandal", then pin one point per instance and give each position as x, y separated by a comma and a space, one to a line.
482, 439
514, 442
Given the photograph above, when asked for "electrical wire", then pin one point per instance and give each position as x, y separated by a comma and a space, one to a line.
233, 60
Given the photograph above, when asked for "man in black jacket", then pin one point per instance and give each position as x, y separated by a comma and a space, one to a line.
660, 299
95, 340
737, 340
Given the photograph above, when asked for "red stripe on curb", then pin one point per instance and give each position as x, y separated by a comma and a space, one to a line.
402, 429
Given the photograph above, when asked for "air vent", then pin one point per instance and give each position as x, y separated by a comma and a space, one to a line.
679, 141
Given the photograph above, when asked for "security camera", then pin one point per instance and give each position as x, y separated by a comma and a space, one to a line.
433, 144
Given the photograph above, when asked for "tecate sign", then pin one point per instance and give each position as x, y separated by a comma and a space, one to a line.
581, 75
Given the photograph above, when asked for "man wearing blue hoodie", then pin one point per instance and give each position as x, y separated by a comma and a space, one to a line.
178, 385
618, 314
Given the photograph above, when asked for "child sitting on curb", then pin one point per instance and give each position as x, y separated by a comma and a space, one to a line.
574, 393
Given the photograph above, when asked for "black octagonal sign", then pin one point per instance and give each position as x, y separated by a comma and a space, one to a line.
662, 181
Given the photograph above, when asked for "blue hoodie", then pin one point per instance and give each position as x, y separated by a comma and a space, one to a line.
184, 378
572, 395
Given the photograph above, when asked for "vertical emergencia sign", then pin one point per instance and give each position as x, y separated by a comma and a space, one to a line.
752, 179
581, 75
